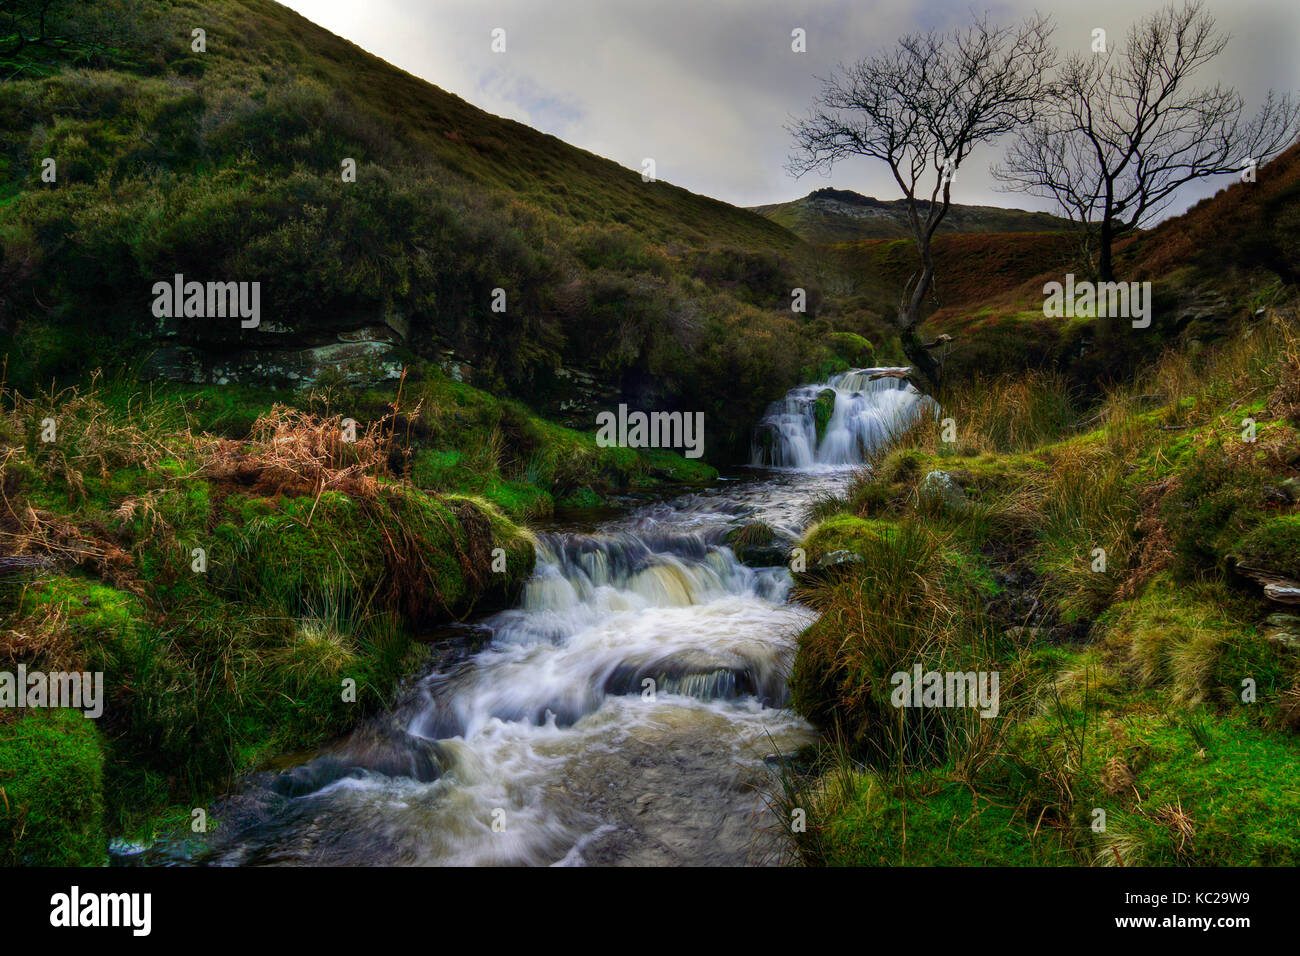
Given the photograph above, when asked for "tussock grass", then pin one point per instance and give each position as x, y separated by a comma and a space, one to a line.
319, 560
1007, 413
1126, 693
909, 601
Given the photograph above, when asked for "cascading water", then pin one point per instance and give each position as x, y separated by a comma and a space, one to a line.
623, 713
859, 410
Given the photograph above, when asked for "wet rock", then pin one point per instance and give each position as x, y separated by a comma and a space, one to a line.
702, 675
823, 409
940, 489
757, 545
767, 438
375, 749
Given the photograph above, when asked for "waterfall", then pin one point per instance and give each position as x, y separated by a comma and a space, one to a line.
629, 702
858, 414
626, 710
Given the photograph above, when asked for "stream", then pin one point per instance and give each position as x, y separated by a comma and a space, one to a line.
628, 711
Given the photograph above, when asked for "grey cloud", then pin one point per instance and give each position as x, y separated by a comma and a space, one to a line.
706, 86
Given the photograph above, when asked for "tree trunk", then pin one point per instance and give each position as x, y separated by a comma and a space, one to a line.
1105, 264
909, 317
1108, 326
918, 355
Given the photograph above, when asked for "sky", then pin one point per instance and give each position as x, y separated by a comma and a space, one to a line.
706, 87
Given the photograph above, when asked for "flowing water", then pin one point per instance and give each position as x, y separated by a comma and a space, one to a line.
626, 712
866, 411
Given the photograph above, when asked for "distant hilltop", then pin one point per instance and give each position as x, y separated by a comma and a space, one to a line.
841, 215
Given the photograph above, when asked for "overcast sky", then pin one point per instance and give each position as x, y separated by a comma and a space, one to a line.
706, 86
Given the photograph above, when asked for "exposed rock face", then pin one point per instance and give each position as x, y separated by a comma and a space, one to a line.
1203, 309
274, 355
940, 489
581, 397
1283, 629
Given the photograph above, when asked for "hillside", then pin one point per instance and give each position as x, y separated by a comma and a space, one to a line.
258, 50
226, 164
840, 215
1111, 529
1210, 267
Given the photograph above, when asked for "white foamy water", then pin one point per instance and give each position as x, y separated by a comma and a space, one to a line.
623, 713
867, 411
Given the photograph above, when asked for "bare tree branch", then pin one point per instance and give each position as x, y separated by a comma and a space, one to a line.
1122, 133
921, 107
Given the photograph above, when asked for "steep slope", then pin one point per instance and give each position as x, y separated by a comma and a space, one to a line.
520, 263
1210, 268
253, 46
840, 215
1246, 226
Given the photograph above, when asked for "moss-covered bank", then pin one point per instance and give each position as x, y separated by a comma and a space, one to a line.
251, 572
1112, 565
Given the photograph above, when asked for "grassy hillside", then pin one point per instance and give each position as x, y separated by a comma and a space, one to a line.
1148, 703
226, 165
1210, 268
1111, 532
841, 215
259, 50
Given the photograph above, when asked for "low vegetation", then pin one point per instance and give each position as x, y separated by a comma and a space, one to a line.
1108, 560
252, 572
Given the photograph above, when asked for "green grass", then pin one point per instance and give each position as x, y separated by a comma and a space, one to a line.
934, 823
51, 791
1150, 689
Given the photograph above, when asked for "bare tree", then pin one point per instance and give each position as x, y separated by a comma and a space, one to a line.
35, 31
921, 107
1122, 131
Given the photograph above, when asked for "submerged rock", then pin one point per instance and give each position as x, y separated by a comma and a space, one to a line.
376, 749
757, 545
